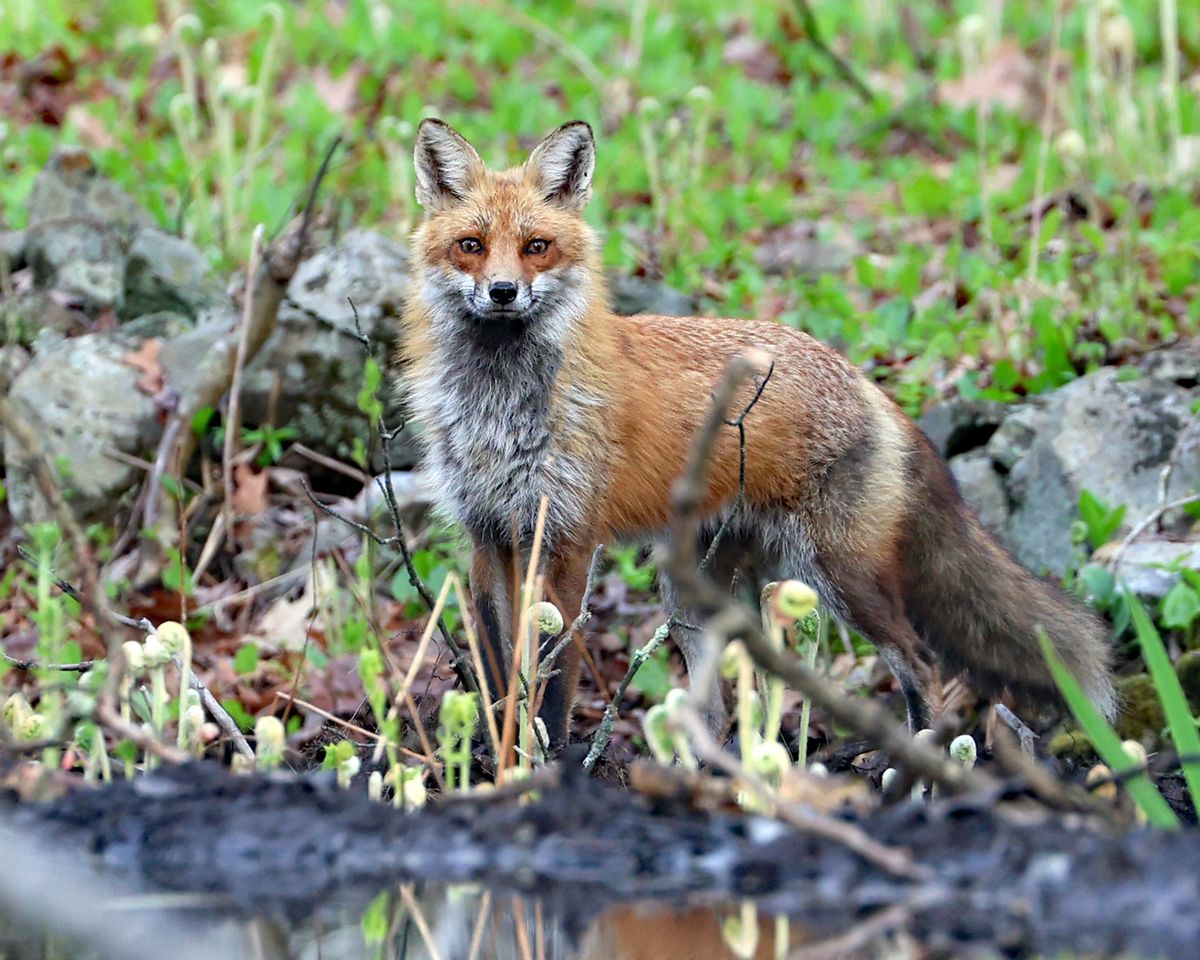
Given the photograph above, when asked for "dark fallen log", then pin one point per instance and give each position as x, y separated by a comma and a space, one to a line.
1006, 876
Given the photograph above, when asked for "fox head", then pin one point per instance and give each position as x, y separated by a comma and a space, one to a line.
502, 252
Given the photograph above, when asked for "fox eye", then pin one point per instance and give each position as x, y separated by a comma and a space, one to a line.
535, 248
470, 245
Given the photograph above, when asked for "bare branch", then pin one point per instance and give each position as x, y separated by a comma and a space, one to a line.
740, 422
265, 290
603, 732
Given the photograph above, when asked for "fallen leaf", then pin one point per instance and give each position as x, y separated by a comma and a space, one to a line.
338, 93
93, 132
249, 490
1007, 79
145, 359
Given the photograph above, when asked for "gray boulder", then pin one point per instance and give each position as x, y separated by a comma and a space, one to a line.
1098, 433
80, 225
310, 370
983, 488
164, 272
632, 295
12, 248
1025, 467
81, 400
1146, 565
959, 426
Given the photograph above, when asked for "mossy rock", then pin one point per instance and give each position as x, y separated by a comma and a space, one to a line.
1141, 717
1187, 668
1073, 747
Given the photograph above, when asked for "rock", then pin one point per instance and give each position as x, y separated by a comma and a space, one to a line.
1099, 433
806, 247
80, 399
983, 488
365, 267
163, 272
84, 260
35, 312
1146, 564
632, 295
162, 324
310, 370
71, 188
12, 248
79, 226
13, 359
959, 425
1178, 364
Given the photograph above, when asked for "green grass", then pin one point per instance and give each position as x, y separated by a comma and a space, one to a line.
1108, 744
689, 183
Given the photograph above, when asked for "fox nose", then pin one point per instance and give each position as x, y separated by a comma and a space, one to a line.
503, 292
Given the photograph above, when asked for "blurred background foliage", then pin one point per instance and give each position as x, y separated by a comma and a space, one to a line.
1001, 197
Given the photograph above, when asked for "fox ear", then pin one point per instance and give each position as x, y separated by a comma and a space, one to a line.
563, 163
445, 164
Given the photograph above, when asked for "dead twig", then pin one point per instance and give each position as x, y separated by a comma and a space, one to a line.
233, 419
347, 725
1048, 788
82, 666
740, 423
1146, 523
603, 732
1017, 725
896, 862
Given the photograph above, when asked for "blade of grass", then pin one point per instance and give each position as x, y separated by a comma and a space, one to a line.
1170, 692
1106, 741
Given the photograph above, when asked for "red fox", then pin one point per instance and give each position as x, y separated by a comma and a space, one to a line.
528, 385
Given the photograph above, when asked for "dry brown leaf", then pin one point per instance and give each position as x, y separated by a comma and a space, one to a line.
339, 94
249, 490
145, 359
1008, 79
93, 131
285, 623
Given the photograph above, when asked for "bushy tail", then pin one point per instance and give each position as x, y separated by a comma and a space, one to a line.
979, 609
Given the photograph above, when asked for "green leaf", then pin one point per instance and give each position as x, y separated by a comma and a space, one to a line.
376, 919
235, 709
1098, 581
1180, 606
653, 678
1106, 741
1170, 692
245, 661
1102, 521
202, 419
